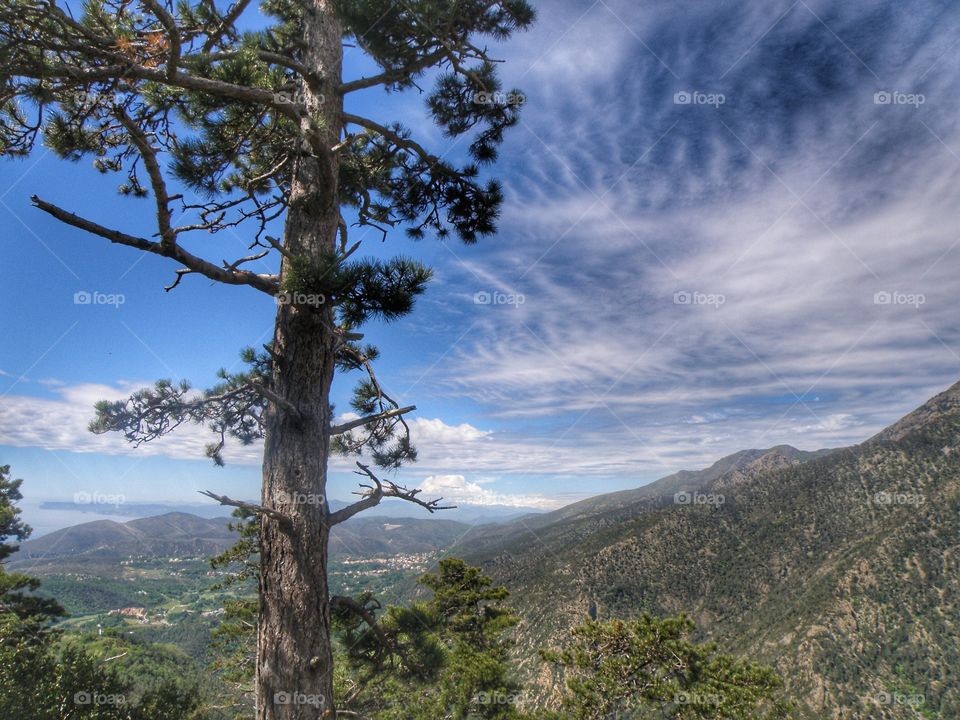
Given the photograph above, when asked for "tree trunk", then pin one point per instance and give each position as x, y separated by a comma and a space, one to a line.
294, 656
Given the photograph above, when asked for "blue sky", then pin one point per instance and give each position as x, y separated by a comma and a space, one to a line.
727, 225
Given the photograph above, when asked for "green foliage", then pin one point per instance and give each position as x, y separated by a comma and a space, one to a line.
10, 524
17, 591
447, 656
233, 647
233, 653
42, 680
231, 408
361, 290
43, 677
396, 35
649, 668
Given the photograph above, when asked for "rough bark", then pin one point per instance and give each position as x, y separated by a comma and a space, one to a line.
294, 656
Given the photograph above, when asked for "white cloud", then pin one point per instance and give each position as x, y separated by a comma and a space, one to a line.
431, 432
61, 424
457, 489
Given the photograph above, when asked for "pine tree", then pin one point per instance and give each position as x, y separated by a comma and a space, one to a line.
650, 668
445, 656
236, 119
18, 596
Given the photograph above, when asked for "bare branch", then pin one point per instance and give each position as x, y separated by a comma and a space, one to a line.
180, 273
385, 415
264, 283
286, 405
278, 246
380, 489
371, 498
250, 507
249, 258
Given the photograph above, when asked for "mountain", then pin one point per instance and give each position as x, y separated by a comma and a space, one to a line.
606, 507
178, 534
51, 515
377, 536
169, 535
839, 567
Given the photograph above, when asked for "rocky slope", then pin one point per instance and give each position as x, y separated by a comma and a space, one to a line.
839, 567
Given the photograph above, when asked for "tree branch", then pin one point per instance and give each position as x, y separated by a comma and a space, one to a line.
371, 499
393, 75
268, 57
385, 415
250, 507
270, 395
393, 137
226, 23
364, 614
173, 34
134, 71
374, 493
160, 194
263, 283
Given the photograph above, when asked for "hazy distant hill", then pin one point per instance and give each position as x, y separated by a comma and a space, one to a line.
840, 567
52, 515
168, 535
183, 535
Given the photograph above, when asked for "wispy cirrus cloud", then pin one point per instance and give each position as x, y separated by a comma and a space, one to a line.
777, 261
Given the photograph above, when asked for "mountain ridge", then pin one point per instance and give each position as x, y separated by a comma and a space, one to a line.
839, 567
179, 534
